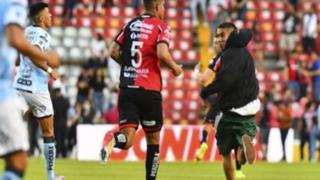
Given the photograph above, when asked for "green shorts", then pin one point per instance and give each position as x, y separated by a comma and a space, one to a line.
230, 130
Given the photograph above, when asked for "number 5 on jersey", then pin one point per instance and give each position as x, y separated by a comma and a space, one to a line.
135, 49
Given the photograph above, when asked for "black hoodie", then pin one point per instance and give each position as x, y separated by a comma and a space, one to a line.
236, 82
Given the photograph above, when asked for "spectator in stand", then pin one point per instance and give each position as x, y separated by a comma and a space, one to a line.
291, 74
99, 52
68, 7
294, 4
111, 116
83, 85
304, 131
109, 3
203, 5
304, 80
87, 112
238, 9
314, 73
264, 125
318, 127
97, 85
258, 54
34, 134
114, 73
60, 106
289, 33
284, 119
136, 4
309, 30
99, 6
296, 113
61, 83
86, 7
74, 117
314, 136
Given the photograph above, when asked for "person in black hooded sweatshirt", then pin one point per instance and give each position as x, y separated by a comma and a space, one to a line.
237, 88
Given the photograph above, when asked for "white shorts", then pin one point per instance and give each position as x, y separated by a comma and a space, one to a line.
13, 130
40, 104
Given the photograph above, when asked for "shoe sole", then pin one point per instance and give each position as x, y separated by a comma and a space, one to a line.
248, 148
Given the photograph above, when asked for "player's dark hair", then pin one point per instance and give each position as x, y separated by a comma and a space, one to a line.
36, 8
149, 4
227, 25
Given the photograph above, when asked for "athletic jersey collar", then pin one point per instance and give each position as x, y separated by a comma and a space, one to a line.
147, 15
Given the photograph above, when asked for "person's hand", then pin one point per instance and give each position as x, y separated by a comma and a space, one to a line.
177, 70
55, 74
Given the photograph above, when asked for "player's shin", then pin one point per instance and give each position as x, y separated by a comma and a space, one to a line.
152, 162
50, 156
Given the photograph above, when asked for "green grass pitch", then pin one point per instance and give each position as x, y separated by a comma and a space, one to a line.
119, 170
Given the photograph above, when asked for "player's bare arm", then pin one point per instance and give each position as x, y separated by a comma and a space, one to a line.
53, 62
115, 52
17, 40
164, 55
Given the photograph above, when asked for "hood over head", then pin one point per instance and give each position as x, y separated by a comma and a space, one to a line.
239, 38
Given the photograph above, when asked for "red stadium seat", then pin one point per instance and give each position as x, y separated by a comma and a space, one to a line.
251, 15
186, 13
263, 4
193, 94
278, 15
185, 34
184, 24
56, 10
177, 55
260, 76
251, 5
173, 24
57, 21
129, 12
171, 13
172, 4
279, 5
266, 14
115, 11
193, 117
178, 94
317, 6
192, 56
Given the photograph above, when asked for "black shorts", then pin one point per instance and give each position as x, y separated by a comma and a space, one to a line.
213, 110
139, 105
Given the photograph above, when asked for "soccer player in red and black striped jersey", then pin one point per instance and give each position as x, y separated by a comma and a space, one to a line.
138, 48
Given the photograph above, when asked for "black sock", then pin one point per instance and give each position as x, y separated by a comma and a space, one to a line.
152, 162
49, 139
204, 136
120, 140
238, 165
15, 171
